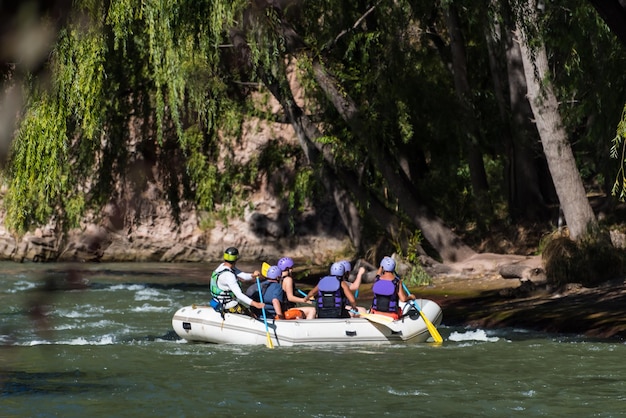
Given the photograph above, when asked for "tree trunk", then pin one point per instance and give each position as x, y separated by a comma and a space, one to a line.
528, 183
478, 174
305, 131
443, 240
567, 182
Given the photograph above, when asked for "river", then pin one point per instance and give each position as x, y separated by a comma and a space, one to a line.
96, 340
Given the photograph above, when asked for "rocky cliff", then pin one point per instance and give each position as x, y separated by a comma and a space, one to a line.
141, 225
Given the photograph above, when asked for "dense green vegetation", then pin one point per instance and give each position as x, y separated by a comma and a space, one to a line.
409, 109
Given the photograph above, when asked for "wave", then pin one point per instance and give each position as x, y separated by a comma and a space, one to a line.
476, 335
22, 286
149, 308
103, 340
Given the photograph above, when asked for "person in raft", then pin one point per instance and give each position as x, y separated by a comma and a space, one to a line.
225, 288
388, 290
285, 264
354, 286
272, 295
332, 294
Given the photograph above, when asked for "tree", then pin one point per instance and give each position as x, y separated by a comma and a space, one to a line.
157, 89
569, 187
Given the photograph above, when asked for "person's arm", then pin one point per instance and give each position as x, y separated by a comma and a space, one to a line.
312, 292
288, 289
278, 308
349, 295
243, 276
354, 286
402, 294
231, 281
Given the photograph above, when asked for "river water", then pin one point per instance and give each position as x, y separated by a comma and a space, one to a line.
96, 340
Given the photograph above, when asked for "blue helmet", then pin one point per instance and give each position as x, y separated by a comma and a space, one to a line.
346, 266
285, 263
337, 269
273, 273
388, 264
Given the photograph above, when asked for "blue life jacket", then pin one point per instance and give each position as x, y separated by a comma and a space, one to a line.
385, 295
253, 293
331, 300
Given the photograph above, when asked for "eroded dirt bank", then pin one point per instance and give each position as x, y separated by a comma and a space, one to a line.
475, 294
493, 302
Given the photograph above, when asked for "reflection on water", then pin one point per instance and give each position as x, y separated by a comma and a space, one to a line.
101, 344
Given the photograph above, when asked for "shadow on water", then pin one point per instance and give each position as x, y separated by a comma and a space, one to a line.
16, 383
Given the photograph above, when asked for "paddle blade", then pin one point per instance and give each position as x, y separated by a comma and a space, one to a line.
269, 343
432, 329
264, 268
379, 319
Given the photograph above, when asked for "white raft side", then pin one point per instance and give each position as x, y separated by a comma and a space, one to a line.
202, 323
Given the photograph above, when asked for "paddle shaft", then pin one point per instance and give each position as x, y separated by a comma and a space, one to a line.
431, 327
267, 328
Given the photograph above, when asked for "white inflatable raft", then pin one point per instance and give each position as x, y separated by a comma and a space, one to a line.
203, 324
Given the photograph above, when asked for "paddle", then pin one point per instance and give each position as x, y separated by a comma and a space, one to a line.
267, 330
264, 268
431, 327
379, 319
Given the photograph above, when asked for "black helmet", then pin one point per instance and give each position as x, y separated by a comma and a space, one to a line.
231, 254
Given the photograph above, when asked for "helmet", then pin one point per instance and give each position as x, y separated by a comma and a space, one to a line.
337, 269
285, 263
231, 254
273, 273
388, 264
346, 266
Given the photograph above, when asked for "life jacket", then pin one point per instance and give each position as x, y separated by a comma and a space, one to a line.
253, 293
221, 296
331, 300
385, 295
294, 313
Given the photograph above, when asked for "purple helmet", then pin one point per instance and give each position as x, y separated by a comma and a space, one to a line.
346, 266
273, 273
337, 269
285, 263
388, 264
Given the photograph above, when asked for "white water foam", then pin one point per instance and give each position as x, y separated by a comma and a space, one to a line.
100, 324
477, 335
131, 287
22, 286
151, 295
103, 340
406, 393
149, 308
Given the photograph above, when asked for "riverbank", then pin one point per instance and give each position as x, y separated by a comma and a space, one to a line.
476, 293
491, 301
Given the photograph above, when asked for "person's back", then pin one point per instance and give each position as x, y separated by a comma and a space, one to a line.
286, 264
385, 291
224, 287
272, 295
331, 294
388, 291
330, 299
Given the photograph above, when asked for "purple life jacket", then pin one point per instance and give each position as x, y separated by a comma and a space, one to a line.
385, 295
330, 298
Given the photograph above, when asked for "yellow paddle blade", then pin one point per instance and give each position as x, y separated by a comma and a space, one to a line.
432, 329
264, 268
269, 343
380, 319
